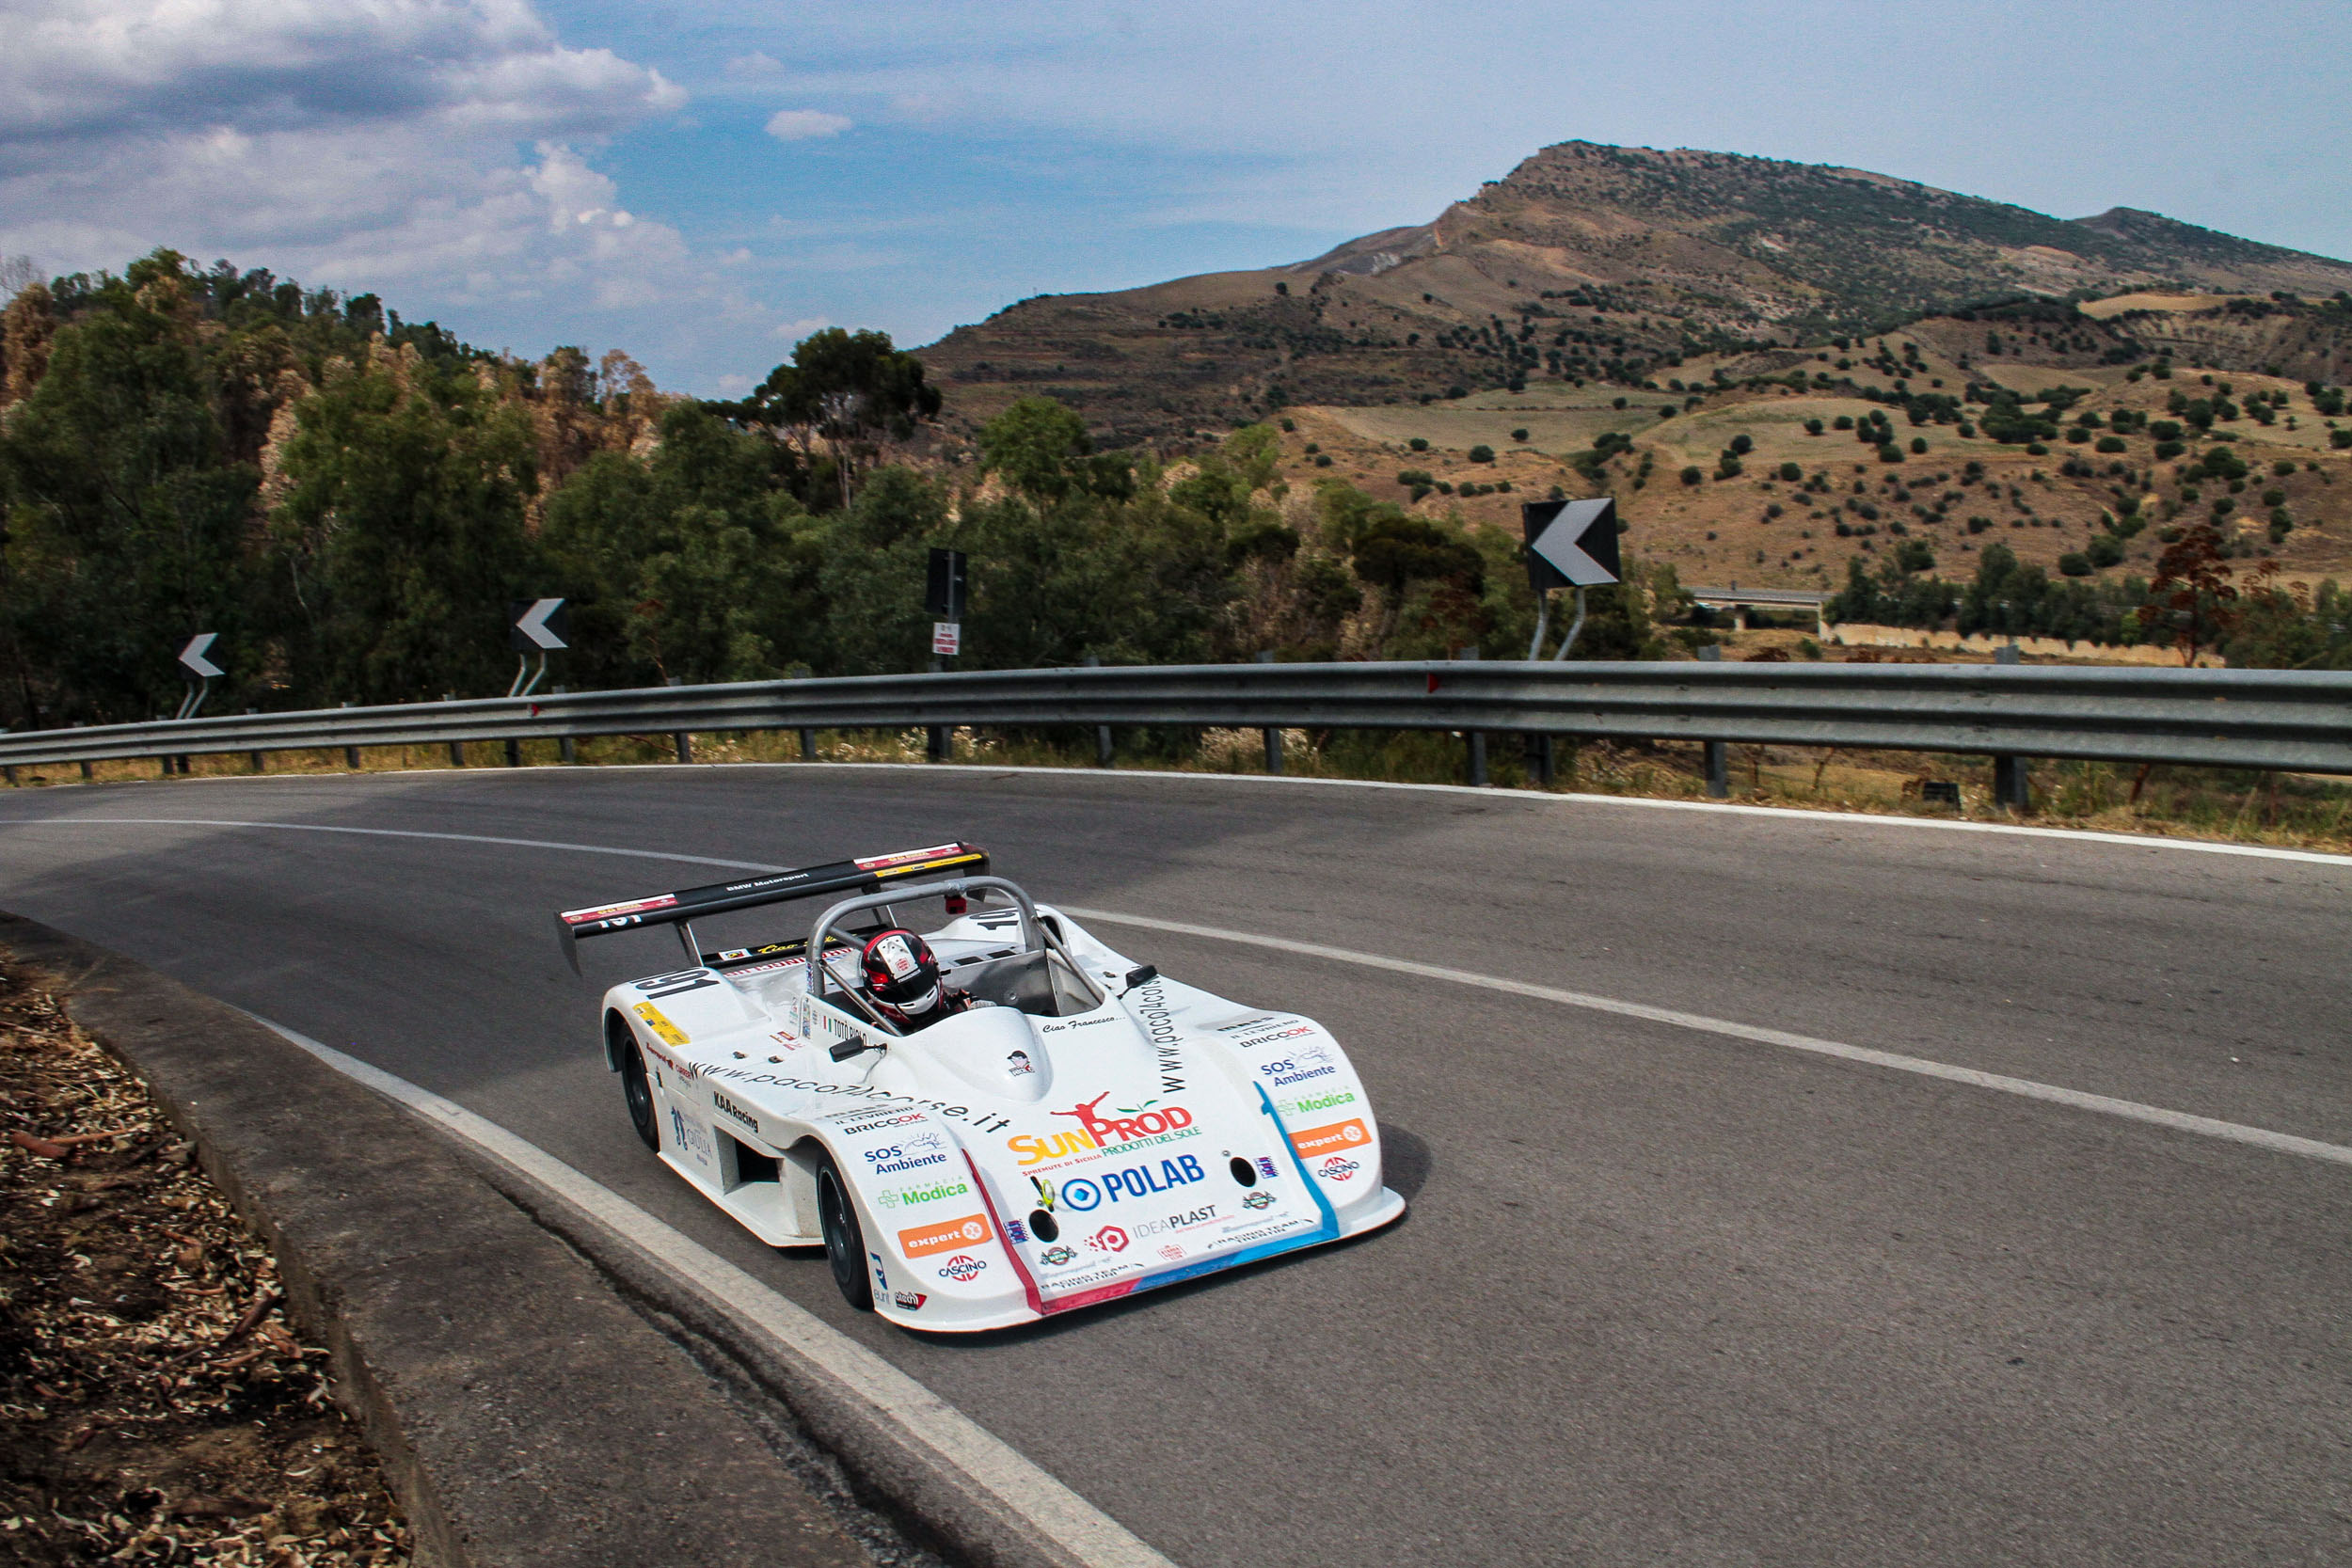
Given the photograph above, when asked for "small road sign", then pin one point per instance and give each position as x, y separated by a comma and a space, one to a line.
539, 626
1571, 544
946, 639
192, 656
943, 593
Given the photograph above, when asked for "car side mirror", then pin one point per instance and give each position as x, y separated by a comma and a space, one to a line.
1142, 977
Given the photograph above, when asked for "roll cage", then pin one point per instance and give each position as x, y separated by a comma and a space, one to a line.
1037, 976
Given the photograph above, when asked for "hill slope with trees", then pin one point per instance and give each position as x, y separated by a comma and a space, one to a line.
1590, 262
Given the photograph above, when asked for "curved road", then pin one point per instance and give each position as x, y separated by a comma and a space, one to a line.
1666, 1294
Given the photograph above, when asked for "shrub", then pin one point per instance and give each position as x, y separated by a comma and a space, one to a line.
1791, 472
1322, 460
1918, 443
1414, 477
1692, 474
2283, 467
1890, 452
2274, 497
1482, 453
1419, 443
1518, 435
2166, 450
1978, 525
1741, 445
1843, 421
2105, 551
2110, 443
2340, 439
2035, 449
2073, 563
1812, 427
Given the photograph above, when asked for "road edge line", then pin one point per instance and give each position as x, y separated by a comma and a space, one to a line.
932, 1461
2029, 1088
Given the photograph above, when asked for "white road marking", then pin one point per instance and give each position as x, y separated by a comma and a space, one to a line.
1084, 1532
2131, 1110
1816, 814
383, 832
2286, 1143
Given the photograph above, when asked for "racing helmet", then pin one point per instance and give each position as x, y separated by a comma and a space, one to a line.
900, 972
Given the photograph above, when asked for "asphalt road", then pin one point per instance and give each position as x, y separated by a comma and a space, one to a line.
1664, 1297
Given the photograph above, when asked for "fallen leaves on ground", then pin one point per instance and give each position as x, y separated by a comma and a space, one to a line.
155, 1405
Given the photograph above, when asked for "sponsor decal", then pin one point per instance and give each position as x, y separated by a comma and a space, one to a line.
971, 1230
881, 1280
685, 1071
891, 1197
1109, 1239
1312, 1061
1256, 1200
1311, 1104
1084, 1193
606, 912
1189, 1219
1055, 1256
728, 953
1019, 1063
1146, 1124
786, 1038
1015, 1230
908, 1301
1235, 1027
691, 1136
962, 1268
913, 1154
1290, 1034
983, 1122
728, 1107
1338, 1168
1350, 1134
854, 1122
1265, 1166
1173, 1253
669, 1034
876, 862
1152, 1011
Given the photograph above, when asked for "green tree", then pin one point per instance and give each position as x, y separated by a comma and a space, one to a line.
399, 542
126, 513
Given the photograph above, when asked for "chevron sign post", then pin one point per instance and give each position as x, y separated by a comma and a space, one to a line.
538, 626
1569, 545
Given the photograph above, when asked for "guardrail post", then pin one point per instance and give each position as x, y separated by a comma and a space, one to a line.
1476, 738
1101, 732
2011, 785
1540, 752
1718, 752
10, 770
351, 755
679, 739
457, 748
808, 745
1273, 737
564, 747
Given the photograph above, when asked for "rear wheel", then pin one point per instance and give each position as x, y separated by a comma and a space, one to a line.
845, 1242
638, 1090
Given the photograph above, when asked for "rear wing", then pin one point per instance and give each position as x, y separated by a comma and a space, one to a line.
851, 876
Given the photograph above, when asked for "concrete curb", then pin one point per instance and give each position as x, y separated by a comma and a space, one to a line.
526, 1415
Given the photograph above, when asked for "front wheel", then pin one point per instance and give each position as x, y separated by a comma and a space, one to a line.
638, 1091
845, 1242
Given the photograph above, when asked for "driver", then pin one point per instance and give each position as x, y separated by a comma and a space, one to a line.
901, 976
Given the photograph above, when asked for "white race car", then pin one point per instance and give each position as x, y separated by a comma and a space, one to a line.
1082, 1129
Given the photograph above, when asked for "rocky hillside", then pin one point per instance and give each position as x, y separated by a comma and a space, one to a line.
1619, 264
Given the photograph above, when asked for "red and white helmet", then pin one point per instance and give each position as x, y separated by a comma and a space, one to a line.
901, 973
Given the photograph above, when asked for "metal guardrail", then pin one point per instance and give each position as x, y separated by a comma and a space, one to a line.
2299, 720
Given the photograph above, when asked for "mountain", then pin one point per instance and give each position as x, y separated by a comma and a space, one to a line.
1593, 262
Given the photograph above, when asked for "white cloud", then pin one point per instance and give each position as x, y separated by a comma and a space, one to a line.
375, 145
757, 63
792, 332
805, 124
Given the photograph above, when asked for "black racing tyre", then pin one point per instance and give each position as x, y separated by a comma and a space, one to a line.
845, 1242
638, 1090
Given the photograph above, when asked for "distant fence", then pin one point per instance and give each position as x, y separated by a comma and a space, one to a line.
2269, 718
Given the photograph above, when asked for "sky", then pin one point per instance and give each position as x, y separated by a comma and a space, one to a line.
701, 185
